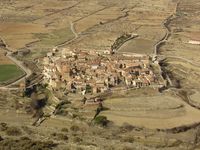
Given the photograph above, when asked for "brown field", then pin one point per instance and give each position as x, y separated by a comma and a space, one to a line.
192, 35
183, 58
103, 15
103, 35
116, 17
140, 46
17, 35
195, 98
151, 112
98, 23
4, 59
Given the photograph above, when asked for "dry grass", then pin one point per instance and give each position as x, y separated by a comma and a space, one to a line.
4, 59
116, 17
161, 111
17, 35
22, 20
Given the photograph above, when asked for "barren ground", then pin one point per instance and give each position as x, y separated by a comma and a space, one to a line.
95, 25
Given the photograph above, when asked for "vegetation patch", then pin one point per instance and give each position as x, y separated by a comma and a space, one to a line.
120, 40
101, 120
74, 128
25, 143
64, 130
56, 37
60, 136
9, 72
13, 131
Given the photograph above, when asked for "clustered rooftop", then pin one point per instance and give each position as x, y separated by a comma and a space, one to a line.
93, 72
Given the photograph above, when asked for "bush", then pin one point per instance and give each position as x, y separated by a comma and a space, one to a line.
77, 139
3, 127
74, 128
38, 113
13, 131
129, 139
38, 100
127, 148
26, 143
61, 112
1, 139
61, 136
120, 40
101, 120
126, 127
27, 130
64, 130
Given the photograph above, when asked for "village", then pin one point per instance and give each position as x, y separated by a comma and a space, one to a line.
94, 72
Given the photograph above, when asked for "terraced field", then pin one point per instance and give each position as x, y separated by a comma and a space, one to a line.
182, 58
95, 25
151, 112
38, 25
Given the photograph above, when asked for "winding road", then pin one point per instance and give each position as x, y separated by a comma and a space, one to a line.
167, 30
52, 108
76, 35
163, 40
20, 64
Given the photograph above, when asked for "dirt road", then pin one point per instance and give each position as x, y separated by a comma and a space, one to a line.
75, 36
20, 64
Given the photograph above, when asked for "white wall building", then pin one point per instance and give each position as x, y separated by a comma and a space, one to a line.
194, 42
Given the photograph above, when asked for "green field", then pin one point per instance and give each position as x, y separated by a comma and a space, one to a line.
9, 72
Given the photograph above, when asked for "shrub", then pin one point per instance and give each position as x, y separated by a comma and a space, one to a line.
13, 131
38, 100
61, 136
27, 130
3, 126
64, 130
127, 148
101, 120
126, 127
74, 128
61, 112
129, 139
1, 139
38, 113
53, 134
77, 139
26, 143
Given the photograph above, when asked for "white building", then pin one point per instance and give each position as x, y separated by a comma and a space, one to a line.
194, 42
